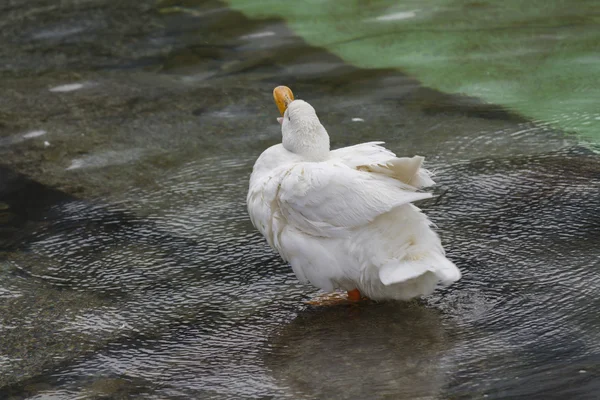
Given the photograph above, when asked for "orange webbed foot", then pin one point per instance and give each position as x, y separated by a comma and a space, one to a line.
337, 298
354, 295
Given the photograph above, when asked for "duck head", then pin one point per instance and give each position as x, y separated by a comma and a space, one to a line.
302, 132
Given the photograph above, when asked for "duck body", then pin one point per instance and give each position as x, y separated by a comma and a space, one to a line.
344, 219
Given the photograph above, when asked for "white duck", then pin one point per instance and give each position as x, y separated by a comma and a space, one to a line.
343, 219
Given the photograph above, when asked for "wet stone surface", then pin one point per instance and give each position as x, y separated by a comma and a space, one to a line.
129, 267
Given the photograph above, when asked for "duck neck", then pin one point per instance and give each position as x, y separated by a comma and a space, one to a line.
310, 141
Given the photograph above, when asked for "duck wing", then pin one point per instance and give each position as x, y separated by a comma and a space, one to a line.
372, 157
328, 198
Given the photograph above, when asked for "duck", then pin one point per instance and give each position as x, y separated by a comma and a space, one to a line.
345, 219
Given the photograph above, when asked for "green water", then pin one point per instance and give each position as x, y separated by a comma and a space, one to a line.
539, 58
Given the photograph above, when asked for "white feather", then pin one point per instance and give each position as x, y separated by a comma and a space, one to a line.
345, 218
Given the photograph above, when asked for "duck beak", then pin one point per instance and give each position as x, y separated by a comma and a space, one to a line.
283, 97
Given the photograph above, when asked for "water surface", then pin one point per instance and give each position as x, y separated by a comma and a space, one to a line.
129, 267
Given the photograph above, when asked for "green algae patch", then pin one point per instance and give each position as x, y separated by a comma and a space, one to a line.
538, 58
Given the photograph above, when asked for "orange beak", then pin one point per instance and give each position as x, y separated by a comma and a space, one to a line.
283, 97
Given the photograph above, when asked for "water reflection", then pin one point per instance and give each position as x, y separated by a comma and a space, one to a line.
395, 350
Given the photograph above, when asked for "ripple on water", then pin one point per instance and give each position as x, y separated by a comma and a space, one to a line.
191, 302
528, 228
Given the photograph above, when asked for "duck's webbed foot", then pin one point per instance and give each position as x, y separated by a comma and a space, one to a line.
335, 298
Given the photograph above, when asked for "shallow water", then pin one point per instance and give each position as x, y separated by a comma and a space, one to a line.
129, 267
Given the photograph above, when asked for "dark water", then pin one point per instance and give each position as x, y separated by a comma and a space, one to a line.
129, 267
